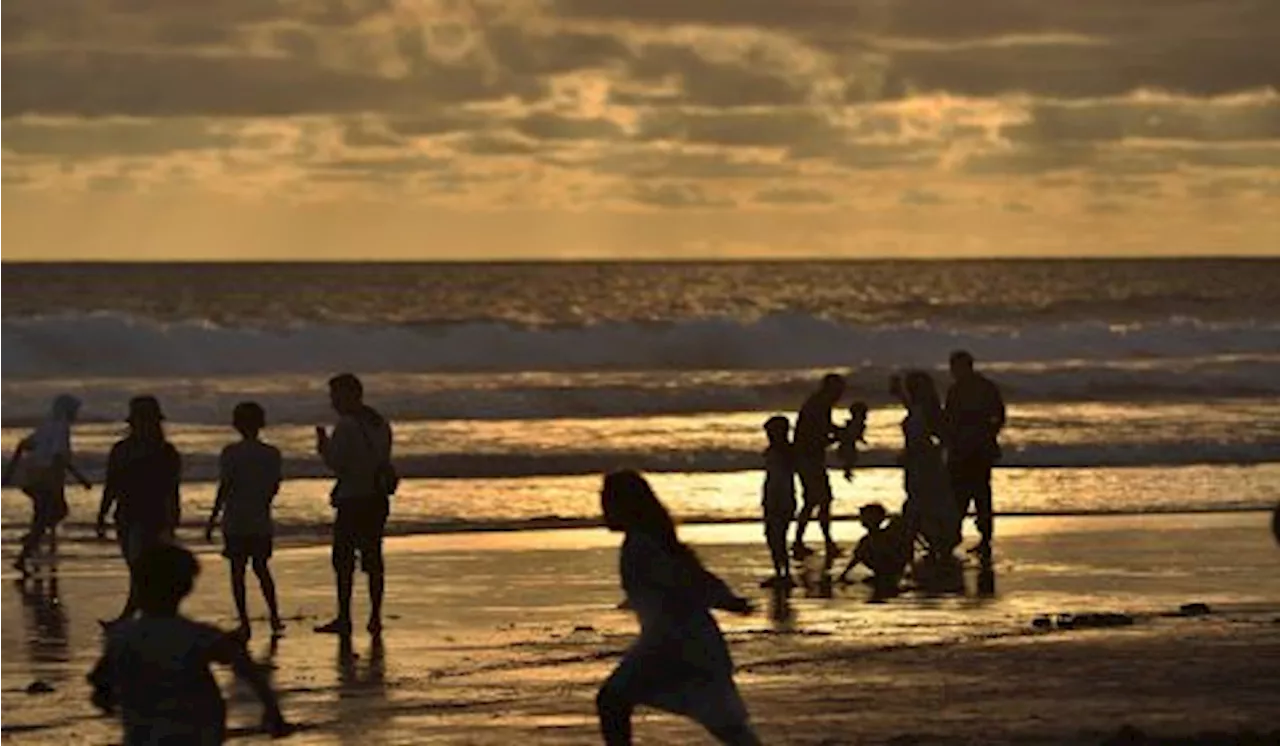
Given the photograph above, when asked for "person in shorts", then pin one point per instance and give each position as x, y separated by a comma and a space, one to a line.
249, 477
356, 452
814, 434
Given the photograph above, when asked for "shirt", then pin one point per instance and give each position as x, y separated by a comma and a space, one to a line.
974, 414
156, 670
143, 479
249, 478
359, 444
814, 428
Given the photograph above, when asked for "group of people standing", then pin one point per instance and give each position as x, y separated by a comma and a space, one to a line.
948, 453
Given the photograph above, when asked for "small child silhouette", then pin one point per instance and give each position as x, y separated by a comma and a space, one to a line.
155, 669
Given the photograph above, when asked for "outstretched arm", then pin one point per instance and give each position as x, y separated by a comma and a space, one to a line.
11, 467
228, 651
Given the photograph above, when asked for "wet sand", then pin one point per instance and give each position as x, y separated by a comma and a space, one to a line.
502, 638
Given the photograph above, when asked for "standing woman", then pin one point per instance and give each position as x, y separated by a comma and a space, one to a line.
680, 663
42, 462
930, 508
144, 471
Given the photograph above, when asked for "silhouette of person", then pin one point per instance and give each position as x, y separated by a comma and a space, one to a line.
814, 434
778, 501
155, 669
39, 466
358, 452
974, 417
853, 433
930, 508
885, 550
249, 478
144, 473
680, 663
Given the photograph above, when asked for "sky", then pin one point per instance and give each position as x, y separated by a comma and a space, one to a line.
434, 129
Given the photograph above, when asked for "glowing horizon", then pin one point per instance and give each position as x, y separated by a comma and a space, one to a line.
425, 130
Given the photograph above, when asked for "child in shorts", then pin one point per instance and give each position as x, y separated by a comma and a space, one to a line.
155, 668
249, 478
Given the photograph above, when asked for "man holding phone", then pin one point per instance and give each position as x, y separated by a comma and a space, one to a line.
358, 452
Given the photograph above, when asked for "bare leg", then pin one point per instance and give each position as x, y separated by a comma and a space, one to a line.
268, 585
377, 586
238, 593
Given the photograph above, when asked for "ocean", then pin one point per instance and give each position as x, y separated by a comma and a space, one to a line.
1132, 385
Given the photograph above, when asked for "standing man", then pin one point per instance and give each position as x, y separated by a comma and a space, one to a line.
358, 452
974, 417
814, 434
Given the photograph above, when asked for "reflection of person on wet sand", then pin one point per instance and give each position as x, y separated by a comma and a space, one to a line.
814, 434
680, 663
39, 466
47, 639
778, 501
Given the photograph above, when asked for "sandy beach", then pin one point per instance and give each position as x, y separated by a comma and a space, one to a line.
499, 638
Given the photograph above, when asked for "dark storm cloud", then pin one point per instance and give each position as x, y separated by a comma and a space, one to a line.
794, 196
1249, 118
549, 126
100, 83
770, 127
497, 144
650, 163
675, 195
129, 138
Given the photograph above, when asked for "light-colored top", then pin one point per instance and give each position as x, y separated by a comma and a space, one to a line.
157, 669
50, 441
249, 478
358, 445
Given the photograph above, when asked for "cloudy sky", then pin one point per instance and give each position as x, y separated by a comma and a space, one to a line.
318, 129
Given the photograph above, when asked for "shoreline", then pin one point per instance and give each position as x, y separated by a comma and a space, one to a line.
500, 638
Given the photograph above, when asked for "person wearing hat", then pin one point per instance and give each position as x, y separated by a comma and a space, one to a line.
144, 471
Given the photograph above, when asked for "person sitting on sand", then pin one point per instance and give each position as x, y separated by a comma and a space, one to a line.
144, 474
779, 498
680, 663
39, 466
885, 550
853, 433
155, 669
248, 479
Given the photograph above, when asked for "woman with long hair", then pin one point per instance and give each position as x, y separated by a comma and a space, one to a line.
929, 506
680, 663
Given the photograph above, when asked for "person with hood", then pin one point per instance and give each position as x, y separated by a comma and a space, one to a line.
39, 467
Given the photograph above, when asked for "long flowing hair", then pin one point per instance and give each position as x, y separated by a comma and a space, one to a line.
923, 399
629, 504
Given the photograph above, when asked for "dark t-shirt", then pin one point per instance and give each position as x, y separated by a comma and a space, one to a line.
143, 478
974, 414
157, 670
814, 429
